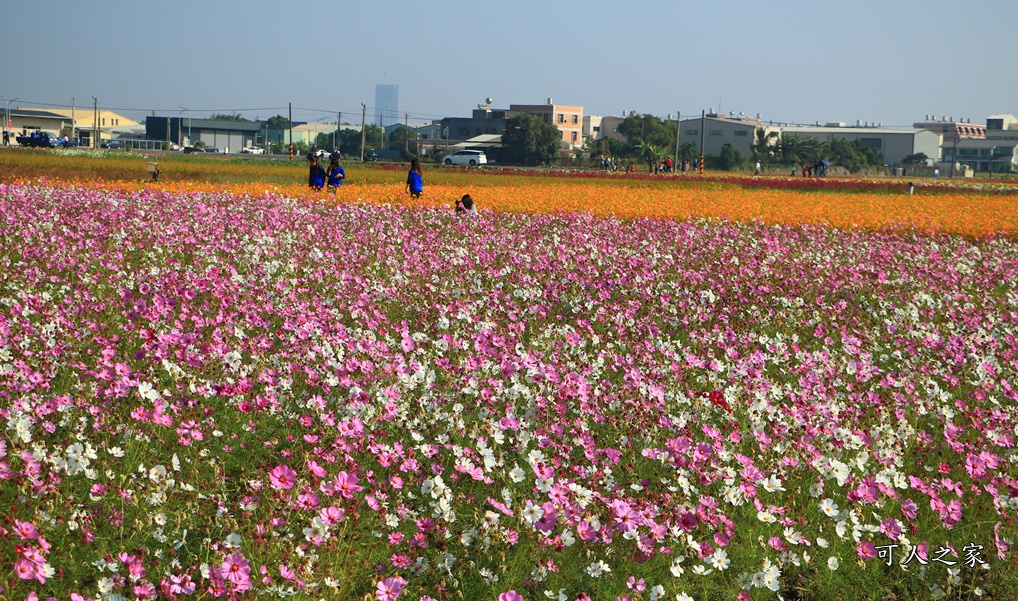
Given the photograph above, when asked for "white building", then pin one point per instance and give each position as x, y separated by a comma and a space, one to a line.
894, 143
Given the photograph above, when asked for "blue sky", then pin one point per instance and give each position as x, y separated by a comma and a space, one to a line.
889, 62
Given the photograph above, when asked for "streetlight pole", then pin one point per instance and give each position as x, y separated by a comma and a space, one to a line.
7, 112
182, 109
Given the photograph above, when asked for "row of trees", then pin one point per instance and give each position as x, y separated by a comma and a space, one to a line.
771, 149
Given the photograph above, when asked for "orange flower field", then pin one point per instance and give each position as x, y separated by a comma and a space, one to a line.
944, 206
962, 212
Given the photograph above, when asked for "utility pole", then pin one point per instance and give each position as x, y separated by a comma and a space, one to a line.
703, 125
406, 133
95, 123
678, 124
74, 135
291, 131
335, 136
364, 117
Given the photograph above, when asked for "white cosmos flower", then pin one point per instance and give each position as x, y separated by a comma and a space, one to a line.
676, 568
597, 568
829, 508
833, 563
719, 560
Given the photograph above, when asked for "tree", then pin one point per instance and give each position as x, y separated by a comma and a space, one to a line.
530, 140
689, 151
730, 158
763, 145
404, 138
647, 129
222, 117
853, 156
791, 149
918, 158
350, 141
278, 122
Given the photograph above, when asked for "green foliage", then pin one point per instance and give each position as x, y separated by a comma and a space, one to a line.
918, 158
278, 122
853, 156
222, 117
646, 129
730, 158
794, 150
530, 140
764, 145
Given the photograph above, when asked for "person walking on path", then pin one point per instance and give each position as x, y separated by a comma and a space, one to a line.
415, 179
335, 173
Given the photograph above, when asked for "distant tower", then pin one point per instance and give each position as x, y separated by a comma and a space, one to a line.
387, 103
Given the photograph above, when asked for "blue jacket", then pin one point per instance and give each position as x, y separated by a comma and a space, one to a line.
336, 176
415, 181
316, 177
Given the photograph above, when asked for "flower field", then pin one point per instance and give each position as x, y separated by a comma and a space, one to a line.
596, 390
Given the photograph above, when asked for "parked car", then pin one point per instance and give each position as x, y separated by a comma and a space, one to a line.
253, 150
211, 149
111, 144
466, 157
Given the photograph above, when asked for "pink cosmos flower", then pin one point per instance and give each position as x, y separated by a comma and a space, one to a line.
26, 530
390, 588
866, 549
237, 570
510, 595
346, 484
283, 477
331, 515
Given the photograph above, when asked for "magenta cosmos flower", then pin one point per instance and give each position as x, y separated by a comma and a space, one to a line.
283, 477
510, 595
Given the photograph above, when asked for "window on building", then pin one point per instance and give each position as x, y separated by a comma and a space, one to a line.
574, 136
104, 121
597, 128
692, 132
561, 118
741, 132
874, 143
576, 119
464, 132
716, 132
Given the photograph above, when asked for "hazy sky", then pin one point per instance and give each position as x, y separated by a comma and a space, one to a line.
887, 61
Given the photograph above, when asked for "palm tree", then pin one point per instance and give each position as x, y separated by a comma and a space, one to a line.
763, 146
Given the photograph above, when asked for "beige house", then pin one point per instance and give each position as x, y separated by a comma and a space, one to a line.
568, 119
73, 123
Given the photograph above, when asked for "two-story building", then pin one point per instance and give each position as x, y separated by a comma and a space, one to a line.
567, 118
486, 120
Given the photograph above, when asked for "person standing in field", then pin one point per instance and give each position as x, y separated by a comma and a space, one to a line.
316, 175
415, 179
335, 173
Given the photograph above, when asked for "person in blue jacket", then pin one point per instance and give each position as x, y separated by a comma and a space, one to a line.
415, 179
316, 175
335, 172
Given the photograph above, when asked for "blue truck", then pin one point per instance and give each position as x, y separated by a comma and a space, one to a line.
43, 139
